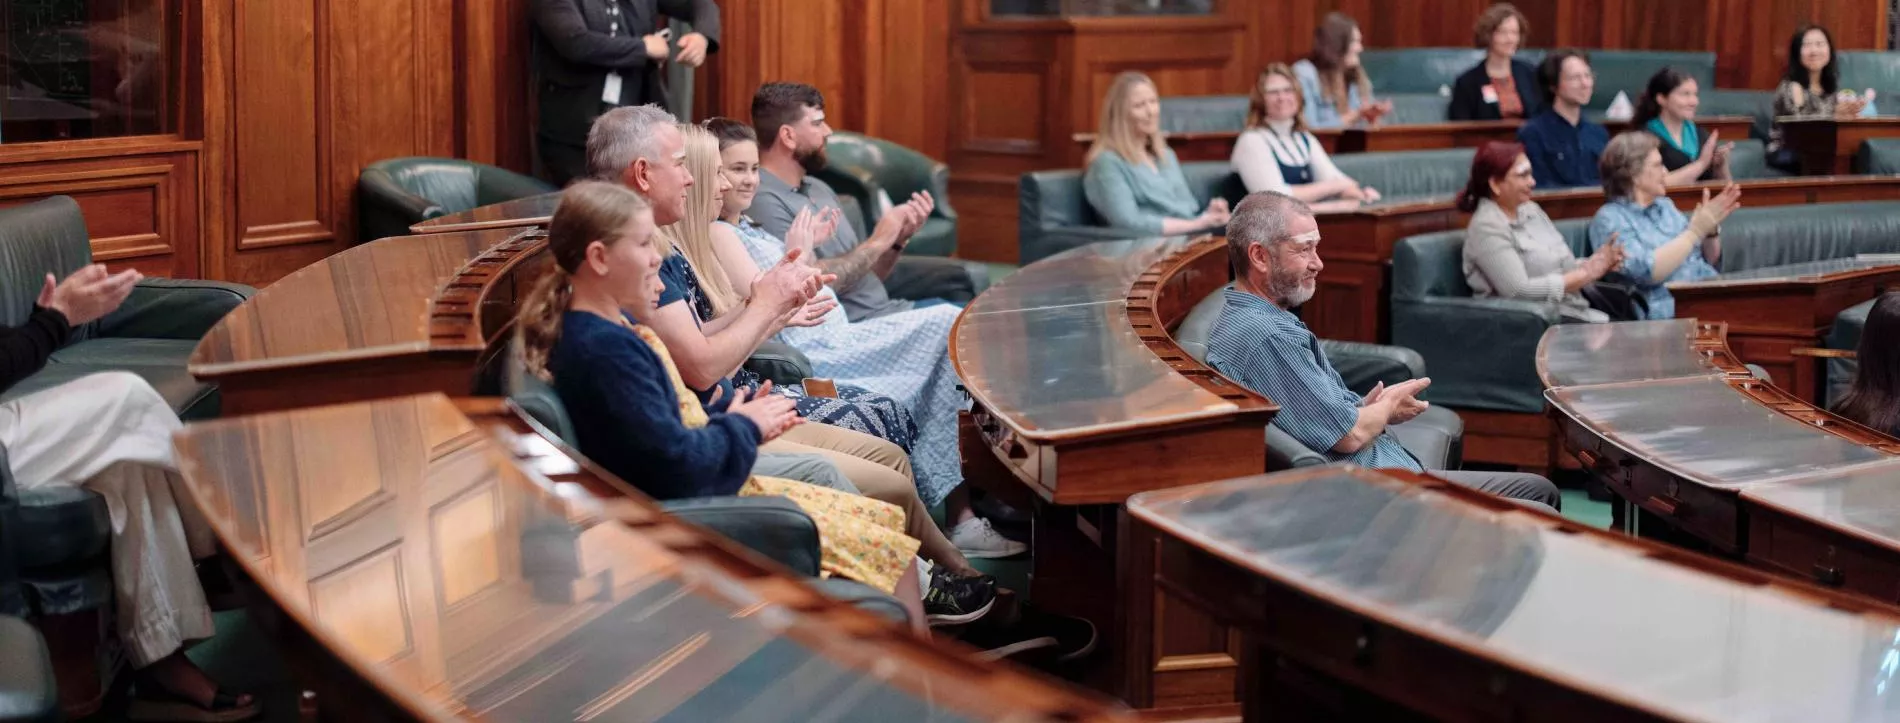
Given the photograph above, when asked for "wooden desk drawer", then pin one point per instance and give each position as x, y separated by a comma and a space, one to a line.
1799, 548
1709, 513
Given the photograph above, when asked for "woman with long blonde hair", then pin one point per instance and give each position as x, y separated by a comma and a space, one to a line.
635, 416
1133, 179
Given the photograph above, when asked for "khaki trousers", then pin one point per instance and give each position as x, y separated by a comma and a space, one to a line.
882, 472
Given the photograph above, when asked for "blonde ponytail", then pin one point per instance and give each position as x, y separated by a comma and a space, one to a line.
589, 211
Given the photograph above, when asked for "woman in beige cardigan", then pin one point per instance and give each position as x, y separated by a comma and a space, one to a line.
1512, 250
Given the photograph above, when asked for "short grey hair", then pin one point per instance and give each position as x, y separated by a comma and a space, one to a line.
623, 135
1623, 159
1261, 218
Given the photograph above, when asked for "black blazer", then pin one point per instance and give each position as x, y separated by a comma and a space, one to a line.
1467, 94
574, 53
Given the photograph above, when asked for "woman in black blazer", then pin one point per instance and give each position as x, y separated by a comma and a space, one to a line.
1481, 93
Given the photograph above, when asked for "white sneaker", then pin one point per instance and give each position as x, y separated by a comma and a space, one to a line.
976, 538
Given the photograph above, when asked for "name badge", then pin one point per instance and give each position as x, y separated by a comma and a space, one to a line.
610, 91
1490, 94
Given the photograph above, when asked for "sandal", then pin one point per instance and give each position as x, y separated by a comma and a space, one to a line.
155, 704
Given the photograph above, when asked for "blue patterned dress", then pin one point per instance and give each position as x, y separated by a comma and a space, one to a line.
855, 408
905, 355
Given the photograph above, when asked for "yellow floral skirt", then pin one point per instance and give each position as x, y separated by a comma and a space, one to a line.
860, 538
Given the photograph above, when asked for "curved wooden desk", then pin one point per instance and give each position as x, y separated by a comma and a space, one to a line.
1373, 595
1672, 422
457, 566
530, 211
1350, 304
402, 315
1774, 310
1082, 399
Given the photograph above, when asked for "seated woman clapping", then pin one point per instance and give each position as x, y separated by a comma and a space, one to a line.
583, 328
1661, 245
1512, 250
1277, 153
1133, 180
1667, 111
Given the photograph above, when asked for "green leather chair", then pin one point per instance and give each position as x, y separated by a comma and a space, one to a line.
1432, 71
1879, 156
872, 170
1482, 350
1435, 437
1845, 335
1204, 114
396, 193
53, 539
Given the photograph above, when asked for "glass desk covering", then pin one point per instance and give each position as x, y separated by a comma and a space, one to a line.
1574, 354
1595, 615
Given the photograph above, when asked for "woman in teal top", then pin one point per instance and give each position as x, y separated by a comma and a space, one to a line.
1133, 180
1667, 111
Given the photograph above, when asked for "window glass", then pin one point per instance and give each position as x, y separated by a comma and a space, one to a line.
72, 69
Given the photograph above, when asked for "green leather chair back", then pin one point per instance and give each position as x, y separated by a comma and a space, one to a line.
861, 167
1204, 113
1879, 156
1772, 236
1432, 71
1417, 70
395, 193
35, 238
1845, 334
1410, 174
1879, 70
1628, 71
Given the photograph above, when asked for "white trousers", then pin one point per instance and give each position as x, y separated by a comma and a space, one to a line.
112, 433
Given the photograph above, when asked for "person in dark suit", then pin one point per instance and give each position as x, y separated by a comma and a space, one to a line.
594, 55
1500, 86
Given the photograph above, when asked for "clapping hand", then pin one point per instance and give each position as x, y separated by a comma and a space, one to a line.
772, 414
1403, 397
1216, 215
1710, 214
88, 293
811, 314
1608, 257
788, 284
809, 229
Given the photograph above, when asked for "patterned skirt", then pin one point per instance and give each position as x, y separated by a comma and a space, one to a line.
859, 538
855, 408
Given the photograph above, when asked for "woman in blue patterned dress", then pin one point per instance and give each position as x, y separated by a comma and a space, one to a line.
905, 355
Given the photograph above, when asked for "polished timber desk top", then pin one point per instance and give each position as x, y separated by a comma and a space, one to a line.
529, 211
1587, 611
471, 574
1051, 351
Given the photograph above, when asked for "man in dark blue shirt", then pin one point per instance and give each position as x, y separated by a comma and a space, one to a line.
1562, 146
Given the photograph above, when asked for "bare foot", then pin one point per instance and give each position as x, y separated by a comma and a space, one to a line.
181, 677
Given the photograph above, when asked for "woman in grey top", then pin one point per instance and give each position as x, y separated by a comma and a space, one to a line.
1512, 250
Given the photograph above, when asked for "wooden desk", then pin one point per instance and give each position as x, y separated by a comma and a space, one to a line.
1673, 423
402, 315
454, 566
1772, 311
530, 211
1082, 399
1350, 304
1827, 145
1219, 145
1374, 595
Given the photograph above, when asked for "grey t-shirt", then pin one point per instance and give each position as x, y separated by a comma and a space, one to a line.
777, 204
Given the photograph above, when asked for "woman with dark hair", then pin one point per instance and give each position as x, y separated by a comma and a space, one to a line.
1337, 89
1500, 86
1874, 399
1809, 88
1661, 244
1277, 153
1512, 250
1667, 110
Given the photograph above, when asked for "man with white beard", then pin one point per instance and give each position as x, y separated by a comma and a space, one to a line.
1273, 244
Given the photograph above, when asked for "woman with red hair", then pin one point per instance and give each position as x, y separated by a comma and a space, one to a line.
1512, 250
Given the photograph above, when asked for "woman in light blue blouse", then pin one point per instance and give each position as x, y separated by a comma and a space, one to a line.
1133, 180
1660, 244
1337, 90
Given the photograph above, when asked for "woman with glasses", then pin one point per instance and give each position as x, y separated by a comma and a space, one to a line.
1277, 153
1512, 250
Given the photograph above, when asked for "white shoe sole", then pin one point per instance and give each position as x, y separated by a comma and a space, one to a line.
994, 654
972, 616
1018, 549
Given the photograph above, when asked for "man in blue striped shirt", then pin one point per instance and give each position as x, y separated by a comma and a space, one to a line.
1273, 244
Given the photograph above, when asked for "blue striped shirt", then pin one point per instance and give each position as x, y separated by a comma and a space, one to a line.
1271, 351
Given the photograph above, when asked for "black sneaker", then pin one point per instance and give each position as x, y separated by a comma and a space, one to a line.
1060, 637
954, 600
